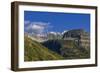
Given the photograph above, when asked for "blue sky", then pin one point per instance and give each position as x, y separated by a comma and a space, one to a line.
54, 21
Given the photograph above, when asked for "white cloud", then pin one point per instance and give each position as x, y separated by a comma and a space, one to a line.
26, 22
37, 27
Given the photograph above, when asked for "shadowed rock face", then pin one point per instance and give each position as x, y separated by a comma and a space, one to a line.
53, 45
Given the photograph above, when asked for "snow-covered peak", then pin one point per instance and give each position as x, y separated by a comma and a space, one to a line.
53, 33
41, 35
64, 31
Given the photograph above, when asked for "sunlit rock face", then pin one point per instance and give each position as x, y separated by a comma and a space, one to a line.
81, 37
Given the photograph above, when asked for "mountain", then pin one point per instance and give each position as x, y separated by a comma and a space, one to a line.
44, 37
54, 35
34, 51
36, 37
75, 33
69, 49
74, 44
80, 36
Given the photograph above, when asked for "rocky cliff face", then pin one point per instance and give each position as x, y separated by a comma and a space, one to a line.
76, 33
79, 35
74, 44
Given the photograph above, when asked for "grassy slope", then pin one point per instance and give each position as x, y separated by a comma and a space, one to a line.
34, 51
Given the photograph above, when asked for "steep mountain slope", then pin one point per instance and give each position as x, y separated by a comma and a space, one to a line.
34, 51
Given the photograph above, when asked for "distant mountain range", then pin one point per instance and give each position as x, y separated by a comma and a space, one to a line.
46, 36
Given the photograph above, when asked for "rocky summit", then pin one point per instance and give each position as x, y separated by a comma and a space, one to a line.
79, 35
